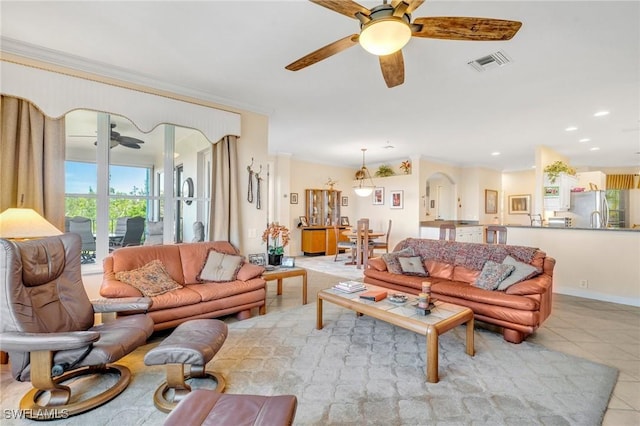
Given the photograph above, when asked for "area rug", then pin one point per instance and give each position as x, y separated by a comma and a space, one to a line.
361, 371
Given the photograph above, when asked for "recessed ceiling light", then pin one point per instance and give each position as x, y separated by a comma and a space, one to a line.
601, 113
495, 153
584, 140
595, 148
571, 128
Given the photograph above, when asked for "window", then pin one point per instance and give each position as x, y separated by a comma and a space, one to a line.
133, 184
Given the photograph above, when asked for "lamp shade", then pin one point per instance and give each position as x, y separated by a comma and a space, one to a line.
18, 223
385, 36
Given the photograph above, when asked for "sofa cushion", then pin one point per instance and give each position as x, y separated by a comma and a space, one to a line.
461, 273
439, 269
248, 271
194, 255
522, 271
412, 266
151, 279
220, 267
391, 259
492, 275
377, 263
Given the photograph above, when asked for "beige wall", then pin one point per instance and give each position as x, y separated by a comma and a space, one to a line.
517, 183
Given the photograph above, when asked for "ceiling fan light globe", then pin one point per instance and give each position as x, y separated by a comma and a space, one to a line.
385, 36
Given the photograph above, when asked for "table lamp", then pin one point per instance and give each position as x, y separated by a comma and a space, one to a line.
23, 224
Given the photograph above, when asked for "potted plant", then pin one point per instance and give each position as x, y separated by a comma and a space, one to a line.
384, 170
277, 237
406, 167
554, 169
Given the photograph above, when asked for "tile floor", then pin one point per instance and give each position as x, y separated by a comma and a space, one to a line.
603, 332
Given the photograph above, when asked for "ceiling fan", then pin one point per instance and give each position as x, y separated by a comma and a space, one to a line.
385, 29
118, 139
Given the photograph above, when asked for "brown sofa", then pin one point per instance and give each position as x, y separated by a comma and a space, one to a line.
453, 266
183, 262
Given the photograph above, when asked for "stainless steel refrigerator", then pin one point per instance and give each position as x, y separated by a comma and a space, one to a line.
590, 208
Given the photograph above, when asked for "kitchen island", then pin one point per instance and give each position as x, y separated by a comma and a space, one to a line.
594, 263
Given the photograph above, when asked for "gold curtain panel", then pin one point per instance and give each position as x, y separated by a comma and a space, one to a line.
619, 181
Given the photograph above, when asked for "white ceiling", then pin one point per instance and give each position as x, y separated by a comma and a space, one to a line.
570, 59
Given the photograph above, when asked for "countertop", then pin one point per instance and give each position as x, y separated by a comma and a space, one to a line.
576, 228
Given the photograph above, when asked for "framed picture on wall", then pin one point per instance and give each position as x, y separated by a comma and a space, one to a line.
490, 201
304, 221
344, 201
293, 198
520, 204
397, 199
344, 221
378, 196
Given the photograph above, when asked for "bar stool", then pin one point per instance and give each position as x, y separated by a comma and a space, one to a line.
496, 234
450, 228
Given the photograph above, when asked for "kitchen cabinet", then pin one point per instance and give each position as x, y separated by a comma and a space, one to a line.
465, 234
557, 194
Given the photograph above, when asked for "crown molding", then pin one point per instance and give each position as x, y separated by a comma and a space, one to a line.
56, 61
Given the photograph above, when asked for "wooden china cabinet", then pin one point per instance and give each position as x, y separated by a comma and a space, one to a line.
322, 209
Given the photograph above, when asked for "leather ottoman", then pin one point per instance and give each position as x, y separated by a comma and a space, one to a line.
207, 407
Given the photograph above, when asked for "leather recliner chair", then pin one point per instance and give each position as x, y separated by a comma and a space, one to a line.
48, 326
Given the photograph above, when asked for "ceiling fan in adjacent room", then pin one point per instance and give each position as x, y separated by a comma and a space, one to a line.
118, 139
387, 28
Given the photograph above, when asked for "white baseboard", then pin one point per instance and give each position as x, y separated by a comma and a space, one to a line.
579, 292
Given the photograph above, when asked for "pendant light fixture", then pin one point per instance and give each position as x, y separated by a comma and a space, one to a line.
363, 185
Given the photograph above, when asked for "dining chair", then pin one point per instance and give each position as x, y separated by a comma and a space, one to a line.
449, 228
382, 244
496, 234
343, 245
82, 226
363, 248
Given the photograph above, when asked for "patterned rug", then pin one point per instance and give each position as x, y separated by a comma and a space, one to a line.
361, 371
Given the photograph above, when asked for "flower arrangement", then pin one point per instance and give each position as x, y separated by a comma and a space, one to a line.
277, 237
406, 167
554, 169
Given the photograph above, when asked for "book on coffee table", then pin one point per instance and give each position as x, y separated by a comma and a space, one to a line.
349, 286
375, 295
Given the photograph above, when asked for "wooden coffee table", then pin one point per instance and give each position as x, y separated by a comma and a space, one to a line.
442, 318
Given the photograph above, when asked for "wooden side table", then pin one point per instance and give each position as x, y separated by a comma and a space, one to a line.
282, 273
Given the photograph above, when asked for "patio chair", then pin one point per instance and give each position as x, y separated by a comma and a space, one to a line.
82, 226
132, 235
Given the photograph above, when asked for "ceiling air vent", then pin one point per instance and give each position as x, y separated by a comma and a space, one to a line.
493, 60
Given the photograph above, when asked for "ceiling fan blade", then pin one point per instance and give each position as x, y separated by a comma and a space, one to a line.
130, 145
126, 140
413, 4
346, 7
466, 28
392, 67
323, 53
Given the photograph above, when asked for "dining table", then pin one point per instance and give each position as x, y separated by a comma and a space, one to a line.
352, 234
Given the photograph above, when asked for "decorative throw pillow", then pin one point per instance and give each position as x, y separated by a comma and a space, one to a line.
523, 271
248, 271
492, 275
151, 279
412, 266
220, 267
391, 259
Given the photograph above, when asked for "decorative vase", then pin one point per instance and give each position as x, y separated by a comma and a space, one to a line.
275, 259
